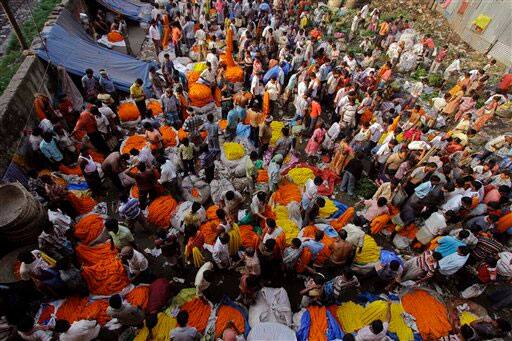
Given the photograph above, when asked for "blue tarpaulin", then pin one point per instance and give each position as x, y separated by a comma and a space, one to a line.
70, 46
128, 8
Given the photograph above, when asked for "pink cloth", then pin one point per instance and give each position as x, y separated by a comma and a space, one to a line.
315, 141
373, 210
492, 195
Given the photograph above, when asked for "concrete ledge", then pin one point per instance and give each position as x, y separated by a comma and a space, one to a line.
16, 110
16, 106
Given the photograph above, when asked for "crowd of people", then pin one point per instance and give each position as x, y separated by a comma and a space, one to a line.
313, 113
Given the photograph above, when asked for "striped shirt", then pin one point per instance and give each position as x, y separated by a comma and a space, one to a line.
487, 248
427, 263
130, 209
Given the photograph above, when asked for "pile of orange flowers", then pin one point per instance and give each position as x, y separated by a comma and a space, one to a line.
161, 210
430, 314
83, 204
89, 228
155, 107
226, 314
199, 313
133, 142
287, 193
262, 176
128, 111
168, 136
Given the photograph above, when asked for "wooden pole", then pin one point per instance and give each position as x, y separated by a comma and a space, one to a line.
14, 24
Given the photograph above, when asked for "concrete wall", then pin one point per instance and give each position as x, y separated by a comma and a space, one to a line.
496, 38
16, 110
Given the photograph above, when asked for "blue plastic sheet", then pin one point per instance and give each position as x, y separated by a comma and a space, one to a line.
341, 209
128, 8
305, 325
387, 256
68, 45
333, 328
274, 72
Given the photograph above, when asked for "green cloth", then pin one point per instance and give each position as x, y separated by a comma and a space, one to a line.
122, 238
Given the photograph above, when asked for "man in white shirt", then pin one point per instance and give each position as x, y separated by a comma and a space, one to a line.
456, 203
453, 68
83, 330
302, 88
220, 252
203, 278
310, 192
154, 34
200, 36
211, 58
257, 88
208, 76
301, 105
137, 264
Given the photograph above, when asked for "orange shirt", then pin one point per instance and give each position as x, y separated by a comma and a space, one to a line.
316, 109
176, 35
384, 28
86, 122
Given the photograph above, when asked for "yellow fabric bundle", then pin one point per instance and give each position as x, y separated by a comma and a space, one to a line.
289, 227
276, 131
329, 209
300, 175
199, 67
370, 252
233, 150
197, 257
374, 311
466, 318
350, 316
235, 240
162, 330
397, 324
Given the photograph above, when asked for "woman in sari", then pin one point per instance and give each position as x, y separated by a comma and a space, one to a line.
342, 156
463, 81
467, 103
453, 104
315, 142
166, 28
486, 113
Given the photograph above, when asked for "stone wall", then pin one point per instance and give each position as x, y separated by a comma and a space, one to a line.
16, 110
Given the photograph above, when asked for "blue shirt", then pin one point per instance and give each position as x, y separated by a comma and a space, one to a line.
50, 150
313, 246
423, 189
232, 118
107, 84
448, 245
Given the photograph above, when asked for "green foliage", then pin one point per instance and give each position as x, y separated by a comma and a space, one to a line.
419, 73
435, 80
428, 97
13, 57
9, 64
365, 188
